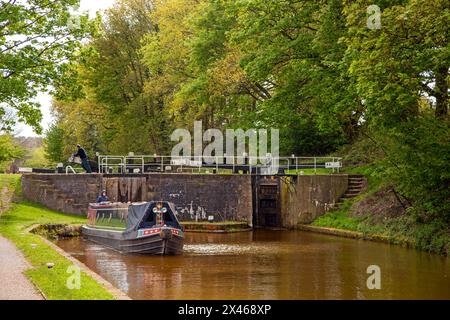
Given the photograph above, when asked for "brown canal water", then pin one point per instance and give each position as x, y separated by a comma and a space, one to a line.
266, 264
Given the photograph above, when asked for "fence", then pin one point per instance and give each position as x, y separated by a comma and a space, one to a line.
226, 164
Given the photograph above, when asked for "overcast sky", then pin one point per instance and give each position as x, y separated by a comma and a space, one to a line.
44, 99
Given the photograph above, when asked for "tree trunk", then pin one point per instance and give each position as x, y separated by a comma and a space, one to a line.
441, 93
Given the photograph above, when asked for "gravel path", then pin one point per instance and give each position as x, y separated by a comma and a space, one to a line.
13, 283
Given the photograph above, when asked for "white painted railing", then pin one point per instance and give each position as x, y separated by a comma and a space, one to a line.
256, 165
71, 169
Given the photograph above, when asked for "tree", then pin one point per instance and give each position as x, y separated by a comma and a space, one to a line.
9, 150
54, 144
218, 90
417, 164
293, 57
36, 158
401, 74
166, 54
405, 60
108, 102
36, 38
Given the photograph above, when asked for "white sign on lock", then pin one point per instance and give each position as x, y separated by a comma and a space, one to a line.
332, 165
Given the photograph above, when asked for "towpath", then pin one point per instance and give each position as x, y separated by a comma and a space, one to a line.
13, 283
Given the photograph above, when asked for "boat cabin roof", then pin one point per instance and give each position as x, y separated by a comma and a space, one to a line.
150, 214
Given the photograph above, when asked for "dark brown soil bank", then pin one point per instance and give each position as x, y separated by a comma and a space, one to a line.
382, 204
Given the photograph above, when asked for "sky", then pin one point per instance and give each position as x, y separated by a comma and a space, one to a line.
45, 100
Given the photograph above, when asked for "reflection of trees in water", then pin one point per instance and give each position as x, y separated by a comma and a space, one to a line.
108, 264
273, 265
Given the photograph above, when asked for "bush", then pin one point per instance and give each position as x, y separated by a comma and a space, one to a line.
9, 151
417, 163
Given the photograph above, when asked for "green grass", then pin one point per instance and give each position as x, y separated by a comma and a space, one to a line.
10, 181
403, 230
52, 282
338, 220
311, 171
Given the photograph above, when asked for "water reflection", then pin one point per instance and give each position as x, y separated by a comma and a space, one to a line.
270, 265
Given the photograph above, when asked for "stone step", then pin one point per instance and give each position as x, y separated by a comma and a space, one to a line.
354, 185
348, 196
356, 175
358, 184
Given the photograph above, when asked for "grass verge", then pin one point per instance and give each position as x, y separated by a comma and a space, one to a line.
52, 282
403, 230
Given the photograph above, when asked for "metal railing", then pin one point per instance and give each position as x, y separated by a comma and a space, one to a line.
71, 169
236, 164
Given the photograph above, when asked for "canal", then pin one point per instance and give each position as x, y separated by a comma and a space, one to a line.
267, 264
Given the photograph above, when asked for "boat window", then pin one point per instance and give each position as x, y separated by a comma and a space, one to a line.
149, 220
167, 217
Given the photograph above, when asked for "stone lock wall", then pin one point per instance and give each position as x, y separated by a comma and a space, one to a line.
69, 193
196, 196
304, 198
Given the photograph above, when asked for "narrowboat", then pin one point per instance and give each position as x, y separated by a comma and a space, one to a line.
149, 227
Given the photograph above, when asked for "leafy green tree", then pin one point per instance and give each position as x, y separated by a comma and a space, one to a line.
9, 150
311, 68
401, 74
37, 158
407, 59
110, 106
36, 38
81, 122
166, 54
417, 164
54, 144
292, 54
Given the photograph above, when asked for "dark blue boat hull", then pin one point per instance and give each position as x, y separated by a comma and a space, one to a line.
155, 241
